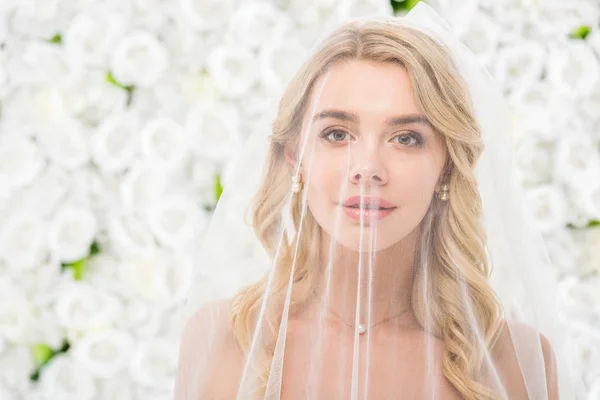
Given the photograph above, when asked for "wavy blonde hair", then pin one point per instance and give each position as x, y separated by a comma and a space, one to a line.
453, 229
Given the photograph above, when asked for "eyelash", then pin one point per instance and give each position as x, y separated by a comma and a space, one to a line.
416, 136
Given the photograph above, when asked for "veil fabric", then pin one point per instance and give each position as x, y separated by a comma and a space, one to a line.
373, 307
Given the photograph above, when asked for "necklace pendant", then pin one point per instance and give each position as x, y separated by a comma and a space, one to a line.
362, 328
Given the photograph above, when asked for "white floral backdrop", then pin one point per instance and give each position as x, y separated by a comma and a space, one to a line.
116, 119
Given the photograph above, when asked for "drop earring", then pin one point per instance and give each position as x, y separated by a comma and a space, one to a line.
444, 192
297, 184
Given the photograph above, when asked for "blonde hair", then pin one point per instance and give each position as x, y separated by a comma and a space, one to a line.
457, 266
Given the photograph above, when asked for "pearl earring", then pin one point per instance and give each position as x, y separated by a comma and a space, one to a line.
297, 183
444, 192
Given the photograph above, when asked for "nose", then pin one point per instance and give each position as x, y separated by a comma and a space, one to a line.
368, 169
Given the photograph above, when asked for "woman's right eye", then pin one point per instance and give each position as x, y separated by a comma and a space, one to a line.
334, 135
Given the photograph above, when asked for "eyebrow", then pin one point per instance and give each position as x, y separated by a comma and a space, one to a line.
348, 116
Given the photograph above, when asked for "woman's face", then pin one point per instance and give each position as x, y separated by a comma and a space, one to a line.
366, 139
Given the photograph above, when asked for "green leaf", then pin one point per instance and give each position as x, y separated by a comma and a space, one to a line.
42, 353
56, 39
218, 187
581, 32
95, 248
78, 268
129, 89
403, 5
592, 223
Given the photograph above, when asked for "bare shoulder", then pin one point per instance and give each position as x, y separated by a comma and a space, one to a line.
518, 352
209, 356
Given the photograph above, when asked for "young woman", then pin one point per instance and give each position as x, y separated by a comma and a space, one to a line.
384, 204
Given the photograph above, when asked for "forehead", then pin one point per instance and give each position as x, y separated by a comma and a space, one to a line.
365, 87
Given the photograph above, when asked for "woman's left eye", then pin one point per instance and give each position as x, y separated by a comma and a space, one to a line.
410, 139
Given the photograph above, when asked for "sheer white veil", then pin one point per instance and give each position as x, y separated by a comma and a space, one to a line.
529, 355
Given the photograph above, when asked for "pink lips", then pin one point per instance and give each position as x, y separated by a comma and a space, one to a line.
373, 208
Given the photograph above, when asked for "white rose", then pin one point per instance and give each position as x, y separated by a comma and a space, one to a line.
72, 232
259, 100
573, 69
103, 353
15, 310
577, 161
214, 131
534, 161
66, 380
66, 144
140, 59
129, 236
81, 308
279, 60
117, 388
89, 96
206, 15
115, 142
541, 109
160, 277
359, 8
563, 251
47, 191
91, 35
23, 241
233, 68
258, 22
547, 207
578, 298
518, 65
154, 363
589, 240
589, 197
556, 19
41, 19
20, 162
15, 367
175, 220
39, 63
164, 140
481, 35
143, 184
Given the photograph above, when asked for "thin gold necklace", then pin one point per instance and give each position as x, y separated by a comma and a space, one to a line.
362, 328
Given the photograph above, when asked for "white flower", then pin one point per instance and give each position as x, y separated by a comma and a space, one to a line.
556, 19
160, 277
547, 207
589, 197
563, 251
206, 15
72, 232
481, 35
579, 298
577, 161
116, 388
140, 59
234, 69
91, 35
15, 311
104, 353
143, 184
23, 241
214, 131
154, 363
258, 22
359, 8
20, 162
39, 63
534, 161
573, 69
175, 220
38, 18
66, 380
66, 144
164, 140
279, 60
129, 236
47, 191
115, 143
519, 65
82, 308
589, 240
15, 366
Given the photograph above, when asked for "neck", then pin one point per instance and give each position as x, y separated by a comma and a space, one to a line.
377, 284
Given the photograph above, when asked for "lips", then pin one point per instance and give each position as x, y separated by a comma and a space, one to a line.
368, 202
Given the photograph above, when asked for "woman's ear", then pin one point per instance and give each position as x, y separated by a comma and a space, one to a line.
290, 157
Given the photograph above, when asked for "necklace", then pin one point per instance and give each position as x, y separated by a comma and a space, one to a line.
362, 328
